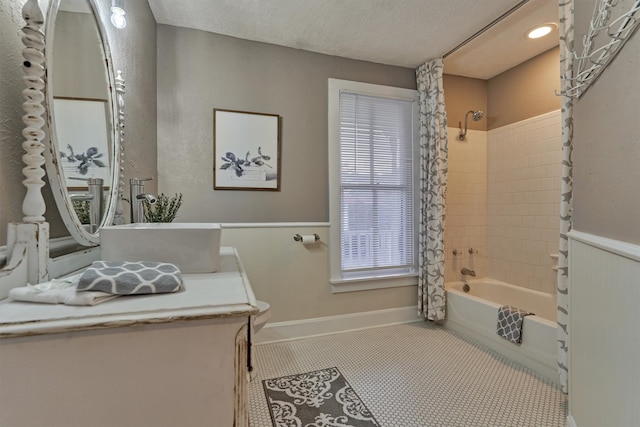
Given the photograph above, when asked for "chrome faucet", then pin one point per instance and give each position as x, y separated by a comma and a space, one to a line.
465, 271
136, 188
95, 198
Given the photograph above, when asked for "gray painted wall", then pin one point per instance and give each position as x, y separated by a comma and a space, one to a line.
199, 71
607, 144
77, 45
134, 52
525, 91
136, 56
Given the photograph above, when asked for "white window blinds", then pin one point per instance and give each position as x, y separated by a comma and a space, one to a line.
376, 185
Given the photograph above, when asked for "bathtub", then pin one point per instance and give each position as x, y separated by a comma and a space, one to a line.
475, 315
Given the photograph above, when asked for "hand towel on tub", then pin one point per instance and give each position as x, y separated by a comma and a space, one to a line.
510, 320
130, 278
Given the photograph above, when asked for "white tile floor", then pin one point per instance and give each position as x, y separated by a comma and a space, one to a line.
418, 375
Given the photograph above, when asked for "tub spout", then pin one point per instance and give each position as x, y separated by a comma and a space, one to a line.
465, 271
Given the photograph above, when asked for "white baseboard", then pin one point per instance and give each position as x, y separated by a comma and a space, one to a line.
571, 422
297, 329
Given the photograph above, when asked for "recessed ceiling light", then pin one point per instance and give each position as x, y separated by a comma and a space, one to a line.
541, 31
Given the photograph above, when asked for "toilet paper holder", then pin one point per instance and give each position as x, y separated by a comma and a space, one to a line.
298, 237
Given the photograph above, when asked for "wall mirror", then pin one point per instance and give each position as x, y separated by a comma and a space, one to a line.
83, 158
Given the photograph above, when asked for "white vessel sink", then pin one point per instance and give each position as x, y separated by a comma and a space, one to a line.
193, 247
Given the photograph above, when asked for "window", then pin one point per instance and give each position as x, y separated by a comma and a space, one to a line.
372, 155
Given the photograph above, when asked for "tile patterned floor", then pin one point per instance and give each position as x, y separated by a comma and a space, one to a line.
418, 375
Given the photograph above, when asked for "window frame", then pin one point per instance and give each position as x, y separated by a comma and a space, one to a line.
338, 283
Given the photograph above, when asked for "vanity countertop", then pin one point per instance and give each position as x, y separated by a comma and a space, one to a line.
225, 293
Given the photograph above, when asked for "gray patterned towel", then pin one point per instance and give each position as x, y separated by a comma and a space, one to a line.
129, 278
510, 321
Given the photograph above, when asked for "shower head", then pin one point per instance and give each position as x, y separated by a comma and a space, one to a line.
476, 115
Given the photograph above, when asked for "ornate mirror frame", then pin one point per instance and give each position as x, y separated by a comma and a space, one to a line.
28, 258
53, 155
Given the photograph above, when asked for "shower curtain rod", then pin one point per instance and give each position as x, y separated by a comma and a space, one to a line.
486, 28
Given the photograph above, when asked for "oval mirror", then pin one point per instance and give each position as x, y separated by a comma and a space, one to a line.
83, 158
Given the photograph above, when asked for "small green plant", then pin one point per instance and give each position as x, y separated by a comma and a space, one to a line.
164, 210
82, 209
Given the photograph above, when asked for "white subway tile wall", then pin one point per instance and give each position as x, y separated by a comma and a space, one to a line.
503, 200
466, 221
523, 201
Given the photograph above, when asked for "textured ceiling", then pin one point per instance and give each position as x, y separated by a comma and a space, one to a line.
396, 32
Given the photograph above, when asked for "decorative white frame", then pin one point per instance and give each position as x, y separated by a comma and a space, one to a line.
82, 124
52, 155
33, 206
92, 132
256, 134
592, 61
27, 254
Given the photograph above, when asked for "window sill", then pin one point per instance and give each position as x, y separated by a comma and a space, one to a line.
369, 283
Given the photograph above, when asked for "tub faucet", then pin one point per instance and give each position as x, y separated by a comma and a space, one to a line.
136, 187
465, 271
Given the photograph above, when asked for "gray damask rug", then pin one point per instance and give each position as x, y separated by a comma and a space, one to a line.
316, 399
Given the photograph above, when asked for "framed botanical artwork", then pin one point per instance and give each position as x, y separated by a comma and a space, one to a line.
246, 150
83, 140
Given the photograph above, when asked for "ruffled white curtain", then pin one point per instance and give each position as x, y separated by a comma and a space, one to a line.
433, 190
566, 203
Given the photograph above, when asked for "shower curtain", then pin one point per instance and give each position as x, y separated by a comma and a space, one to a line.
566, 202
433, 189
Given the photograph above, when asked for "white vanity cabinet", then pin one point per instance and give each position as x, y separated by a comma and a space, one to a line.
159, 360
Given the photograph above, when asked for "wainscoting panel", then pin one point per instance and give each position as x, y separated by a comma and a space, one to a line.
294, 278
604, 346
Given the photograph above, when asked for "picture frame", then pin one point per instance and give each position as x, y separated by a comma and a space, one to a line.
246, 150
83, 140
